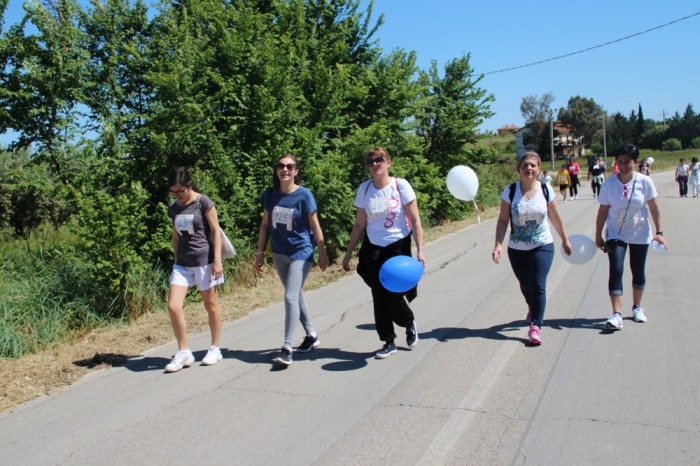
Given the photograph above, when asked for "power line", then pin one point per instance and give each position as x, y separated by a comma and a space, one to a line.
594, 47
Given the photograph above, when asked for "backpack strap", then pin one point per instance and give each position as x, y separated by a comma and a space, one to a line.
511, 196
545, 191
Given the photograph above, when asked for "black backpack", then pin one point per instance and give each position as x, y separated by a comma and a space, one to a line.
511, 196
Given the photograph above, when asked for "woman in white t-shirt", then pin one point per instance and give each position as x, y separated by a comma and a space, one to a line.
682, 178
530, 246
387, 211
626, 200
694, 170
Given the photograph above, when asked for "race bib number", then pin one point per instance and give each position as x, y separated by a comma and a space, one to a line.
378, 206
529, 213
631, 219
284, 216
184, 223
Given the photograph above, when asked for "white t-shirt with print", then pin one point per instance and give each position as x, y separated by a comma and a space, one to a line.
546, 180
682, 170
386, 215
636, 228
694, 169
530, 220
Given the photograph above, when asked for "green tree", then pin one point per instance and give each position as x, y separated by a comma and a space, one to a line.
42, 77
537, 111
581, 115
452, 107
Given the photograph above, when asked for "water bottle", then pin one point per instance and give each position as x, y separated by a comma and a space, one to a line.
658, 246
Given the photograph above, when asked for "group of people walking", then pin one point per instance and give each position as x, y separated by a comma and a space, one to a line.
685, 173
387, 214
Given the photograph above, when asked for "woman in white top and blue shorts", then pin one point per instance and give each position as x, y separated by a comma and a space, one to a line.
626, 200
530, 246
387, 212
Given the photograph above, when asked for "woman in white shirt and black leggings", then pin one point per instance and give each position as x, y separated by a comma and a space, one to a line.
626, 200
387, 212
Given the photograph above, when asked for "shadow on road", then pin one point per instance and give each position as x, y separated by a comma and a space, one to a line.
366, 327
500, 332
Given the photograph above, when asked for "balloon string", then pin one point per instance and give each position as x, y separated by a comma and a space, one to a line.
481, 230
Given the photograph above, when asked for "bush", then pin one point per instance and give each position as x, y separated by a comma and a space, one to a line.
510, 148
695, 143
670, 145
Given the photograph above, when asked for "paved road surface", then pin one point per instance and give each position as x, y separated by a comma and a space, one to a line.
471, 391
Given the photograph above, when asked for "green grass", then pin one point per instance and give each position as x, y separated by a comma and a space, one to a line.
46, 295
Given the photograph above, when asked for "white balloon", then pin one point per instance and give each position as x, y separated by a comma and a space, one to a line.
650, 160
462, 183
583, 249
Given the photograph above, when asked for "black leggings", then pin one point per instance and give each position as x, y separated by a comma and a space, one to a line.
573, 187
596, 187
683, 185
638, 259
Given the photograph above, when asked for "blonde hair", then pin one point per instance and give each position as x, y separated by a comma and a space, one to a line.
530, 155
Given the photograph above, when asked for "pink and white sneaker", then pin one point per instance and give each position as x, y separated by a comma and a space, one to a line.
534, 335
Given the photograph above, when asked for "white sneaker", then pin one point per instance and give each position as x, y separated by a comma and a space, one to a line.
181, 359
614, 321
638, 314
213, 356
576, 197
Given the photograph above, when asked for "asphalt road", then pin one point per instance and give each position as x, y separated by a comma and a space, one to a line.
470, 392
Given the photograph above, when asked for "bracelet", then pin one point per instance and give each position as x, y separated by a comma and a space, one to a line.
260, 252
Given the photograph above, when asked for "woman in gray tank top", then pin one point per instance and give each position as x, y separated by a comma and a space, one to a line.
196, 242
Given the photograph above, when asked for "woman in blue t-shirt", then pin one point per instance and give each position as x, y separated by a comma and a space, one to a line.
529, 208
291, 223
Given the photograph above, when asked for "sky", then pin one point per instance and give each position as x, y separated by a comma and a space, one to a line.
659, 70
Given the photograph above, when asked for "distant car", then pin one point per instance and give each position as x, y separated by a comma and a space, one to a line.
562, 157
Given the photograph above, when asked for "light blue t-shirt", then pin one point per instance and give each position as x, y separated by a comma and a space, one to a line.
290, 230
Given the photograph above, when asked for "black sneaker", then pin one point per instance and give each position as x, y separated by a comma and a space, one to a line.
387, 350
285, 356
308, 344
411, 335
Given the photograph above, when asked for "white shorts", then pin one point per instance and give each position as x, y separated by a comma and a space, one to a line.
190, 276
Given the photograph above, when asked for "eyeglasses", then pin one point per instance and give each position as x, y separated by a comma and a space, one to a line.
179, 192
377, 160
288, 166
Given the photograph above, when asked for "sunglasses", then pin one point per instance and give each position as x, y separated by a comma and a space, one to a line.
377, 160
288, 166
625, 191
179, 192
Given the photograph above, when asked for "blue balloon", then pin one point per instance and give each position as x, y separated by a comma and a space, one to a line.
401, 273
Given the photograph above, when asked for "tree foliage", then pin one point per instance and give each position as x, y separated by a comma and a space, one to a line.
581, 115
106, 98
537, 111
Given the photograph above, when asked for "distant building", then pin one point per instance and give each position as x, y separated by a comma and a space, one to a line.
507, 129
564, 143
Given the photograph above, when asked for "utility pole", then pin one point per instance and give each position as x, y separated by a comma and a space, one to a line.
664, 115
605, 146
551, 139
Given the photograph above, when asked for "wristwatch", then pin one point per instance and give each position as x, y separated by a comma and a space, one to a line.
660, 233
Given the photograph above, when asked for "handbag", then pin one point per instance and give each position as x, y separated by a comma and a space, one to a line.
611, 244
227, 251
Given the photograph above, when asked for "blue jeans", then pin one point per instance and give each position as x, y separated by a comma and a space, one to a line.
531, 269
638, 259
